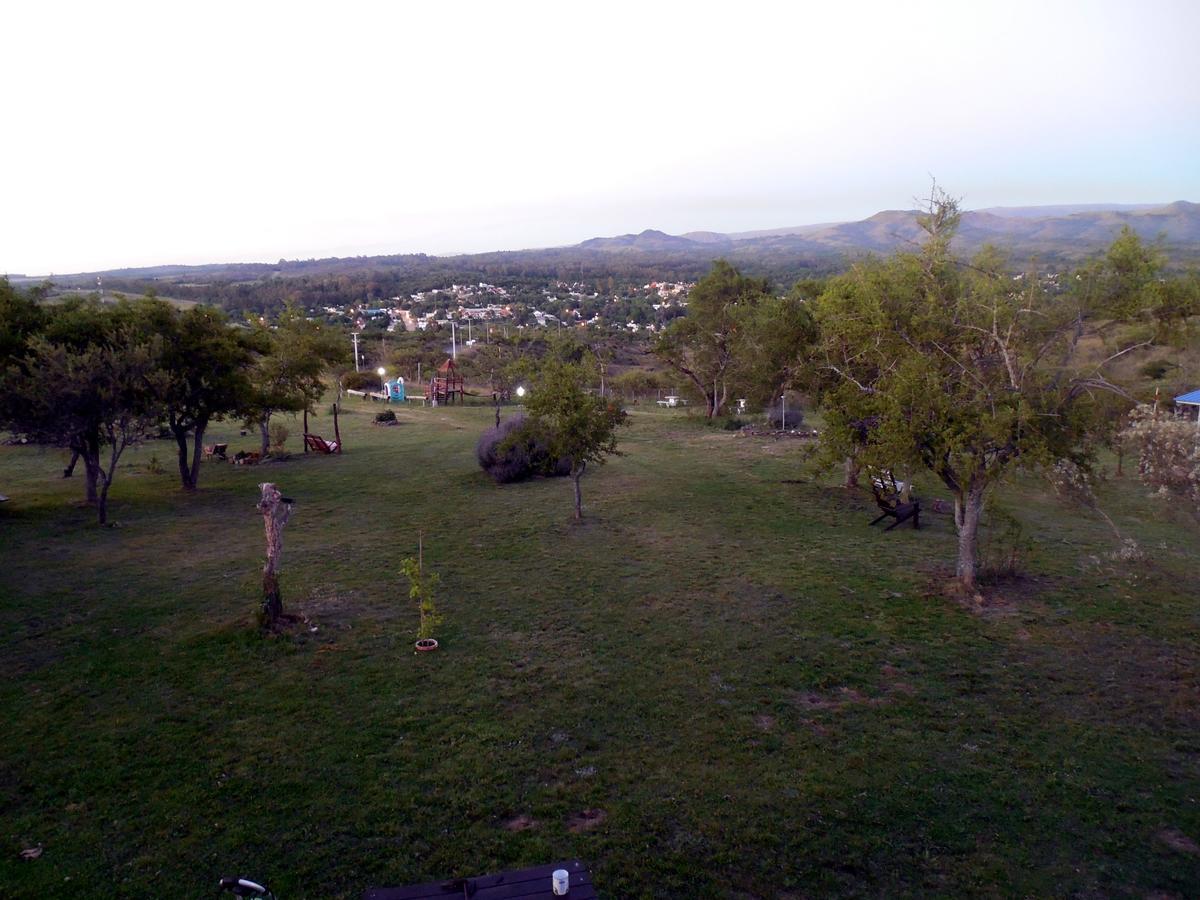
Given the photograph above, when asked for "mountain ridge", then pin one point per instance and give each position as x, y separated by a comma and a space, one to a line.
1068, 233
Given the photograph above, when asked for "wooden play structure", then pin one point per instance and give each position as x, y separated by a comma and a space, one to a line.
445, 385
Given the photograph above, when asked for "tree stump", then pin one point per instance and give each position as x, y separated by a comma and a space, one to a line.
275, 509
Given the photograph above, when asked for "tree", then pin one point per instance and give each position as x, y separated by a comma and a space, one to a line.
289, 376
703, 345
206, 365
582, 426
967, 370
103, 396
20, 317
772, 342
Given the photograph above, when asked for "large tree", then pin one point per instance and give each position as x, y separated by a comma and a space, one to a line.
582, 426
968, 369
289, 376
206, 363
98, 399
703, 345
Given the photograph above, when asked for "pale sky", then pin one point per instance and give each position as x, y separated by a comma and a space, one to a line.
153, 133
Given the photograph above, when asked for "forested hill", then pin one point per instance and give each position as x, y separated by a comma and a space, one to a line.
1053, 235
1066, 233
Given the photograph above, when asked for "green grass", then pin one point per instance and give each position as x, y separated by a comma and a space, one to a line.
764, 696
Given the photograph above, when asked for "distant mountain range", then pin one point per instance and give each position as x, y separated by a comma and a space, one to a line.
1051, 234
1068, 232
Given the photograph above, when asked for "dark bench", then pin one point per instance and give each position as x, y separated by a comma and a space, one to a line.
893, 508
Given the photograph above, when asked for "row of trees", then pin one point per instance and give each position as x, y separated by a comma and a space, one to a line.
97, 378
963, 368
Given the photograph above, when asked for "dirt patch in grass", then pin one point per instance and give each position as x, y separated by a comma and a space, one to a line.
523, 822
835, 700
892, 680
1178, 841
764, 722
586, 820
994, 597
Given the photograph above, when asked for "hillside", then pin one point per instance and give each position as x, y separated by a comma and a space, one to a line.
1060, 238
1064, 232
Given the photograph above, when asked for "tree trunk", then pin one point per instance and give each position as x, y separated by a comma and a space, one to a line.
264, 430
852, 468
275, 511
90, 451
91, 476
306, 430
70, 468
337, 434
968, 510
102, 502
197, 449
185, 471
579, 492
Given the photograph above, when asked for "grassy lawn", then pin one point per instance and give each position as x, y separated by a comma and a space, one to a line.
721, 683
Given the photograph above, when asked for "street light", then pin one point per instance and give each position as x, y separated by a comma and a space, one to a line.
521, 391
381, 371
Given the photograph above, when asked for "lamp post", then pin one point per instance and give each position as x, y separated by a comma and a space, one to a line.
783, 410
381, 371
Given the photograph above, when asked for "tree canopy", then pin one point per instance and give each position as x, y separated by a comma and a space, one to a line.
964, 368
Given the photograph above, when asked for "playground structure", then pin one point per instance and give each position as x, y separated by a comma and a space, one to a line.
445, 384
394, 390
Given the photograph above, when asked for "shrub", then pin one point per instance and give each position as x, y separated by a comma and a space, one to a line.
421, 589
1156, 370
733, 424
1168, 453
360, 381
279, 436
386, 416
794, 415
517, 450
1005, 549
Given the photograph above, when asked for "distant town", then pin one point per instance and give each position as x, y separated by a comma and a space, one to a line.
648, 308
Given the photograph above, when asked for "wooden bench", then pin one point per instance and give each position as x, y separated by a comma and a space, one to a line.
521, 884
219, 451
318, 444
893, 508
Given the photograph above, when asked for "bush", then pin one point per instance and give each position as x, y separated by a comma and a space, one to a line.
1156, 371
1168, 453
360, 381
733, 424
775, 416
385, 416
517, 450
279, 435
1005, 549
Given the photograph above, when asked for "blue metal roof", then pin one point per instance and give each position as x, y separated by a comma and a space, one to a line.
1190, 397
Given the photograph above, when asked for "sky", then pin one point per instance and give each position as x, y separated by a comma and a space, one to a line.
154, 133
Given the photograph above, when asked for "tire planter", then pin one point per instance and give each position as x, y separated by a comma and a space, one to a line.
426, 645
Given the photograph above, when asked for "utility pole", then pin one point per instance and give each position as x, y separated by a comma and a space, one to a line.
355, 335
453, 341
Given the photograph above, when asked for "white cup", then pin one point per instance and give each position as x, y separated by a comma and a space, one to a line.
561, 881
